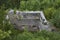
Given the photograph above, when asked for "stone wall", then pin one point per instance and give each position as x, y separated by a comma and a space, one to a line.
31, 20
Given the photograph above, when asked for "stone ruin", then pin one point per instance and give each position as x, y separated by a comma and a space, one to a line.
29, 20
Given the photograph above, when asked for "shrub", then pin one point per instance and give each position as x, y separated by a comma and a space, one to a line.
49, 12
4, 34
56, 19
43, 35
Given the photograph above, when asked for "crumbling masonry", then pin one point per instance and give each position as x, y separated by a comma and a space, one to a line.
29, 20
